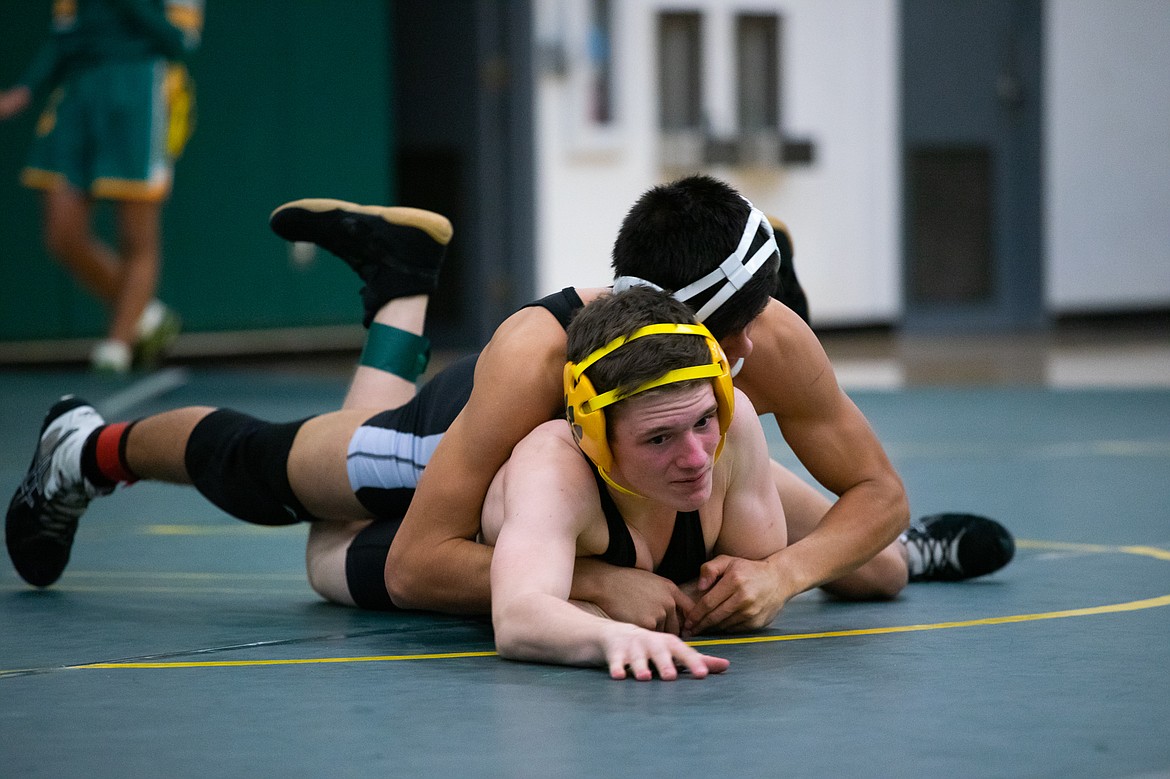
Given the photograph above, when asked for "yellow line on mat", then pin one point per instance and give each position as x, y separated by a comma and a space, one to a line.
1136, 605
1061, 546
298, 661
1113, 608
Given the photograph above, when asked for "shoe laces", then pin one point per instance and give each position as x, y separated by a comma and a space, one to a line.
59, 516
937, 553
57, 478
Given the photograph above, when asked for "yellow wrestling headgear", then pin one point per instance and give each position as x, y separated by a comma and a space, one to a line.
583, 405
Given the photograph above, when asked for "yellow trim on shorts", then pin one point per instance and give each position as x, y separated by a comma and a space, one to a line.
127, 189
106, 188
35, 178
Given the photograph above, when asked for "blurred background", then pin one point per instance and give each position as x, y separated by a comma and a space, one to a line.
967, 181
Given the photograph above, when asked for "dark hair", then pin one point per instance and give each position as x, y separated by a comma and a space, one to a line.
644, 359
676, 233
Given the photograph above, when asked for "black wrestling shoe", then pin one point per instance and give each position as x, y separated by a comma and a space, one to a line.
953, 547
42, 517
397, 252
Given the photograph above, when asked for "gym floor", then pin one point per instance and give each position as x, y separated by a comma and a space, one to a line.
182, 643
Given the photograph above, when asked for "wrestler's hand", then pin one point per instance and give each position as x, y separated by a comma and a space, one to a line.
737, 595
631, 650
631, 595
13, 101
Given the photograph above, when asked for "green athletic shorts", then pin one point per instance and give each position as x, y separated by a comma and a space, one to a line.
114, 131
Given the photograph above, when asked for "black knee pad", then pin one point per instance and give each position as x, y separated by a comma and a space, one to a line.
365, 565
240, 464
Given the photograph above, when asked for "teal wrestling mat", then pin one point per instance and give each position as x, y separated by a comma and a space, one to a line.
183, 643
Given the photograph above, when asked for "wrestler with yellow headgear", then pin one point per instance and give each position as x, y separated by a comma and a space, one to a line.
584, 405
654, 471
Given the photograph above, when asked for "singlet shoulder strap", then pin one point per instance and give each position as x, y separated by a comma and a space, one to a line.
561, 304
621, 549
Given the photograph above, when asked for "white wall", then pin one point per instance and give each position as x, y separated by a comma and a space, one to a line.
844, 210
1108, 154
839, 90
1107, 147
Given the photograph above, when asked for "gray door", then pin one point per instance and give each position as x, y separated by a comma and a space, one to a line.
971, 114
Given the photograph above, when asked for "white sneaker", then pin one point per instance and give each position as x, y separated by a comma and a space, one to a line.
158, 327
110, 357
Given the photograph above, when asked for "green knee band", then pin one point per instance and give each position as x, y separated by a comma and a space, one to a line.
396, 351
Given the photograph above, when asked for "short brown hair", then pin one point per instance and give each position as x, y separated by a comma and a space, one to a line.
612, 316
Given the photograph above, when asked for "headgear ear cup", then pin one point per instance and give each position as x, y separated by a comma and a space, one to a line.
584, 406
724, 392
588, 424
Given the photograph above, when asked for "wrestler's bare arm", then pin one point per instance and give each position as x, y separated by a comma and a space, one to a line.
552, 515
435, 562
752, 523
788, 374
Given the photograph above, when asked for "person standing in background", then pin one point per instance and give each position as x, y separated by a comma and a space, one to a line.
117, 117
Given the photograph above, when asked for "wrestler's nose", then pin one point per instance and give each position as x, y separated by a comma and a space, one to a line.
695, 451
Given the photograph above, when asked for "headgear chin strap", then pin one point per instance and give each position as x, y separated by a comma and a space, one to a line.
583, 404
734, 272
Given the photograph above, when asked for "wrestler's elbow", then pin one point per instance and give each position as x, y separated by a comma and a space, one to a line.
432, 581
406, 579
897, 506
516, 627
509, 640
